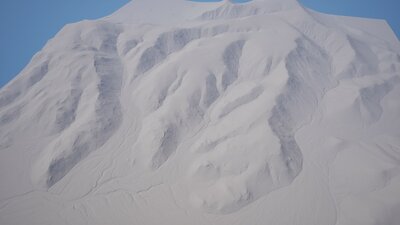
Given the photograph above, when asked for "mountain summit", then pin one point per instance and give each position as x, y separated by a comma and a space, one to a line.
179, 112
179, 11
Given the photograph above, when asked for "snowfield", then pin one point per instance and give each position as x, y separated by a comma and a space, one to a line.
181, 113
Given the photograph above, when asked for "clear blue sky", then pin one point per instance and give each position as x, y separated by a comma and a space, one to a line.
26, 25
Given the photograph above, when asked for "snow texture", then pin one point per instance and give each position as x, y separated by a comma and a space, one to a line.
262, 112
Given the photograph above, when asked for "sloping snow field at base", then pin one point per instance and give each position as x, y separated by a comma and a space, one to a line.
256, 113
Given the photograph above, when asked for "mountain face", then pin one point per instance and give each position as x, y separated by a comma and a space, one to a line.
176, 112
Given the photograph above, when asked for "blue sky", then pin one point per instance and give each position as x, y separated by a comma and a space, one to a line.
26, 25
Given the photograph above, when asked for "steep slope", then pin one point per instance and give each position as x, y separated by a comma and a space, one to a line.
206, 113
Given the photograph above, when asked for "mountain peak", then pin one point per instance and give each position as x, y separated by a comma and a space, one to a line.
159, 12
150, 11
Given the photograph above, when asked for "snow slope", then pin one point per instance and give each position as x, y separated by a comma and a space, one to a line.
206, 113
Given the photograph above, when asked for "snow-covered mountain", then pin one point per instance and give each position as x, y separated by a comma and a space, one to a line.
177, 112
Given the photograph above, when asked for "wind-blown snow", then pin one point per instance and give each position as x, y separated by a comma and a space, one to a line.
206, 113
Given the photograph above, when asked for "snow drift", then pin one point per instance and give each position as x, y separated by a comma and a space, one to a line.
206, 113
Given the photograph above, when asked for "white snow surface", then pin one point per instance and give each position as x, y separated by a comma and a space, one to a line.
178, 112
